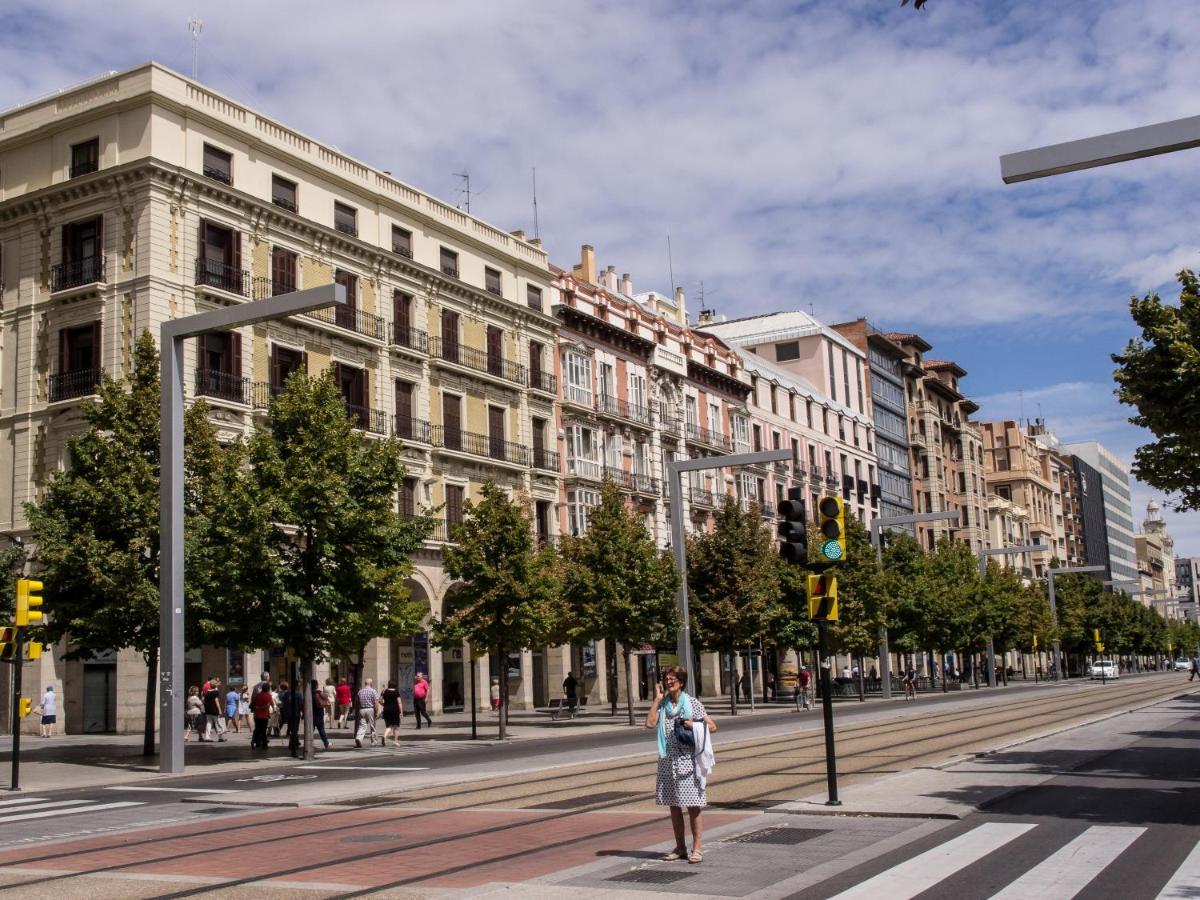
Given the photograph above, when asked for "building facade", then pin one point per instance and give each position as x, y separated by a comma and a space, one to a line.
1156, 562
1118, 508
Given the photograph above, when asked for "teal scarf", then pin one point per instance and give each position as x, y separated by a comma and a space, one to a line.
685, 707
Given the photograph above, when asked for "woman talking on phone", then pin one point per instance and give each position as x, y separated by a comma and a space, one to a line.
680, 782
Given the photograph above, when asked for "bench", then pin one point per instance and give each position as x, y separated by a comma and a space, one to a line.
558, 704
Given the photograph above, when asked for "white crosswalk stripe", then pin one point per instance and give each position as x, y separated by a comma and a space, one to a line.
921, 872
52, 809
1068, 870
1186, 880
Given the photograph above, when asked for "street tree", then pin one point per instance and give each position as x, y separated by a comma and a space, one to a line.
904, 578
96, 525
1159, 375
618, 585
785, 623
509, 596
863, 603
732, 582
952, 579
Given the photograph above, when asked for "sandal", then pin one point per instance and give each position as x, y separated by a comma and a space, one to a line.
695, 856
676, 854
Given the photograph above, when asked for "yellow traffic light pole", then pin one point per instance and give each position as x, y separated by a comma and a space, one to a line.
27, 613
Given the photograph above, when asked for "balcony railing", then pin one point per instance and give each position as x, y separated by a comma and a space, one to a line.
349, 228
351, 319
284, 203
545, 459
400, 250
221, 175
80, 383
708, 437
452, 271
671, 424
579, 395
410, 429
701, 497
87, 167
412, 338
584, 468
222, 386
262, 393
367, 419
461, 355
615, 406
541, 380
214, 274
480, 445
88, 270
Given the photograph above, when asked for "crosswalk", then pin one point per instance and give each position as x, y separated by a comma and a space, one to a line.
23, 809
1060, 876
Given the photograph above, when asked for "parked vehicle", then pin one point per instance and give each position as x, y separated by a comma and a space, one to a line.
1182, 665
1105, 668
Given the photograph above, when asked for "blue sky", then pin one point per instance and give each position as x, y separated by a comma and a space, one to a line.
838, 155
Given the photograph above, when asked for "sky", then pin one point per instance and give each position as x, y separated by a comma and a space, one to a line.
841, 157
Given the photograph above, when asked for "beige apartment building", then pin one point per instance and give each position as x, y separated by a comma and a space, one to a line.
947, 449
143, 196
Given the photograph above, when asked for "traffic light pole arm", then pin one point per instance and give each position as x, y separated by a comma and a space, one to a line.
170, 562
675, 470
1050, 573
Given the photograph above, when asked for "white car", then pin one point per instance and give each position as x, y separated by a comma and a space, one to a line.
1105, 669
1182, 665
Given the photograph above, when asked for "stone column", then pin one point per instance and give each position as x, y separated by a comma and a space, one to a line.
558, 664
437, 680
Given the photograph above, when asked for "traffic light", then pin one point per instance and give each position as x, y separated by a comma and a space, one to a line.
793, 528
33, 650
1097, 640
28, 598
8, 644
833, 528
822, 598
1035, 643
26, 707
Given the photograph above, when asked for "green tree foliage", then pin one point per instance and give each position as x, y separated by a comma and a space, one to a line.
510, 594
904, 579
97, 525
785, 623
618, 585
1159, 375
732, 581
948, 619
863, 603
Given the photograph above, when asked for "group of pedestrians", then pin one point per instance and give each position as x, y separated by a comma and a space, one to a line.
373, 705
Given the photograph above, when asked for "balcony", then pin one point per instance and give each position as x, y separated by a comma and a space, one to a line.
580, 396
410, 429
452, 271
284, 203
351, 319
480, 445
477, 360
671, 425
262, 393
441, 530
816, 474
701, 497
709, 438
349, 228
89, 270
401, 250
623, 409
545, 459
635, 482
540, 380
578, 467
223, 386
69, 385
409, 338
367, 419
213, 274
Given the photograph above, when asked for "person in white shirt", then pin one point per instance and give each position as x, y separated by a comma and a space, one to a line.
49, 711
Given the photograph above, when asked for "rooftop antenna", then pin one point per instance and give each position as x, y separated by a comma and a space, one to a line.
536, 234
195, 26
1021, 398
465, 190
812, 312
671, 264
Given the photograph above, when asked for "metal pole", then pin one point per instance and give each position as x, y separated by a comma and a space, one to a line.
683, 643
885, 653
18, 666
474, 702
1054, 616
827, 716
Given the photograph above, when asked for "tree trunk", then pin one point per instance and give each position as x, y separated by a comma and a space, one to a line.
733, 683
306, 679
610, 674
152, 699
356, 680
628, 680
944, 688
861, 693
502, 654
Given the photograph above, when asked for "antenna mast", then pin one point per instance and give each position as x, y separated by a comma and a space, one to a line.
671, 264
466, 189
536, 234
195, 26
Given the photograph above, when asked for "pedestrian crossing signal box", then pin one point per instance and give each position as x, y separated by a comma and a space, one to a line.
822, 598
8, 644
28, 600
26, 707
832, 525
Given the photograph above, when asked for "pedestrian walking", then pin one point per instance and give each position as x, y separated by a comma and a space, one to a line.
910, 684
232, 698
495, 694
244, 708
49, 707
393, 713
368, 708
214, 711
262, 704
343, 703
1195, 668
291, 709
803, 682
571, 692
321, 709
193, 714
680, 782
420, 699
330, 692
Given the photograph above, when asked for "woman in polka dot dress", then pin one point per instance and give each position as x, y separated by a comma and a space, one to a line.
678, 783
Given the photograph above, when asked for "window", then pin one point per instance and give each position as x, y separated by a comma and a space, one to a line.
82, 256
219, 373
741, 431
404, 409
491, 280
580, 504
449, 336
540, 458
774, 400
85, 157
218, 164
352, 382
787, 351
832, 375
535, 365
614, 451
791, 406
78, 362
714, 418
579, 378
692, 415
454, 504
401, 241
637, 394
346, 314
449, 262
757, 437
220, 262
345, 218
283, 271
283, 192
452, 421
402, 333
496, 432
583, 451
533, 298
408, 498
495, 350
846, 377
285, 361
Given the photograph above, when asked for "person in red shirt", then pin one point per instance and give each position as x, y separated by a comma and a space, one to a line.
260, 707
343, 703
420, 694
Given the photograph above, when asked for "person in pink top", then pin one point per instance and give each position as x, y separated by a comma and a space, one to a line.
420, 695
343, 703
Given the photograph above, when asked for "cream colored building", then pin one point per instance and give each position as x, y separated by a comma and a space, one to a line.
1156, 563
143, 196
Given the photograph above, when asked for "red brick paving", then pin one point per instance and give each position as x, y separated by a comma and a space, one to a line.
313, 845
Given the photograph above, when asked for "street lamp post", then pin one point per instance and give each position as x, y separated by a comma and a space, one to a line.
173, 333
1050, 573
983, 555
877, 525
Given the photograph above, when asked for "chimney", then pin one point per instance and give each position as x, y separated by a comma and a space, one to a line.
519, 234
585, 271
680, 307
537, 242
608, 278
626, 284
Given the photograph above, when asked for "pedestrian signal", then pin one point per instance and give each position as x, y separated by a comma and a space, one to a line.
33, 650
1035, 643
822, 598
26, 707
28, 599
8, 644
793, 528
832, 525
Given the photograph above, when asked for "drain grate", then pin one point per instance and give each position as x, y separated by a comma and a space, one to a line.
369, 838
589, 799
651, 876
781, 835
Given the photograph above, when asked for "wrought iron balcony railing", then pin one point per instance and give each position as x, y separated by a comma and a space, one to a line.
412, 338
87, 167
541, 380
480, 445
89, 270
707, 437
223, 386
351, 319
545, 459
214, 274
367, 419
454, 352
615, 406
69, 385
410, 429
